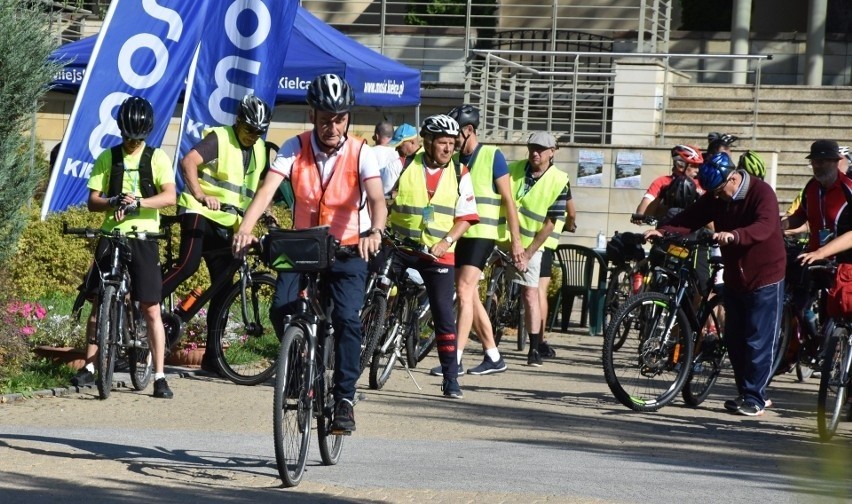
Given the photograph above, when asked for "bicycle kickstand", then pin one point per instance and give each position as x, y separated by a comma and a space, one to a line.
407, 369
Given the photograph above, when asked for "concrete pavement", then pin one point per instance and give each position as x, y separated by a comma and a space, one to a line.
549, 434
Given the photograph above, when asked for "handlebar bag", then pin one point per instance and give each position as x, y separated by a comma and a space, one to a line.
299, 250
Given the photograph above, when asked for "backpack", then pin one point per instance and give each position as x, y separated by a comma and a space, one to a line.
146, 175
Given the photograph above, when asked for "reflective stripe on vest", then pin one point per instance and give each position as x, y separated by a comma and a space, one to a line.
487, 201
224, 178
533, 206
338, 204
406, 217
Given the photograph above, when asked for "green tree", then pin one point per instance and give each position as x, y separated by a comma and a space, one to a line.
452, 13
25, 73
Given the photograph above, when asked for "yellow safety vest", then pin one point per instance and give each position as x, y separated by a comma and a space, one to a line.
406, 216
532, 206
224, 177
487, 201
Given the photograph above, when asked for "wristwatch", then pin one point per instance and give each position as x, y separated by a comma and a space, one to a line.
374, 231
449, 239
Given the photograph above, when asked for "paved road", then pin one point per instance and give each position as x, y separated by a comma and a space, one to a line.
549, 434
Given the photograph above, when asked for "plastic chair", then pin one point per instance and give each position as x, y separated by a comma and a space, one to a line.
578, 270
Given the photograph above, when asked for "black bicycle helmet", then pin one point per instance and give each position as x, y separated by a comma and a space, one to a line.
466, 114
752, 164
716, 140
330, 93
439, 125
135, 118
715, 171
254, 113
681, 192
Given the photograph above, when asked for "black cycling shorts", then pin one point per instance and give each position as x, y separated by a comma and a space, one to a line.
546, 263
473, 252
146, 278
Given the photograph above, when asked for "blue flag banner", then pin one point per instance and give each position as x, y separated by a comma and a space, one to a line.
144, 48
242, 51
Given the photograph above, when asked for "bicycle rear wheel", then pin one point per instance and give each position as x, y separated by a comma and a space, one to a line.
107, 336
833, 384
330, 445
373, 318
789, 328
292, 406
651, 366
246, 346
710, 357
619, 289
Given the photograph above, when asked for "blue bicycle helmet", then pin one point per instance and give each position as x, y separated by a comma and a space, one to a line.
715, 171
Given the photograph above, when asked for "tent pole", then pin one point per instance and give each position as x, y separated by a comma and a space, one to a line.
417, 117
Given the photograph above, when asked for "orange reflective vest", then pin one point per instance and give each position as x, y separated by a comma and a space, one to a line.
336, 204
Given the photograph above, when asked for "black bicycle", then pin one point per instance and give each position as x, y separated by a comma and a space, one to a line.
304, 380
407, 324
504, 298
245, 344
121, 330
659, 344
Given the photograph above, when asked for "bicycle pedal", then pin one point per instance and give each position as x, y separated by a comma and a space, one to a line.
340, 432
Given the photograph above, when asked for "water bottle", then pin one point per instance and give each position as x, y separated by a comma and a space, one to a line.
601, 240
191, 298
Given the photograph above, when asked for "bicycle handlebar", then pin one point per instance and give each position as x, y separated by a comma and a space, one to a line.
115, 233
702, 236
643, 219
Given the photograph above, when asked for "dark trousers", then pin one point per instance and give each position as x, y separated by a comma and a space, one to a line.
752, 325
201, 237
346, 285
439, 280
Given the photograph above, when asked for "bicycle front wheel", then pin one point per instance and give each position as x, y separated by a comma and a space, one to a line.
651, 366
107, 336
330, 445
710, 355
619, 289
421, 339
292, 406
494, 297
245, 343
373, 318
833, 384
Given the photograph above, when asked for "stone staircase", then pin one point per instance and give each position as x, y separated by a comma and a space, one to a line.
787, 119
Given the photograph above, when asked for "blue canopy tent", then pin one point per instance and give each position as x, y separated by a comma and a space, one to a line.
315, 48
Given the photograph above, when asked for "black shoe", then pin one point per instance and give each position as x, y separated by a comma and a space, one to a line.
534, 358
162, 390
546, 351
83, 378
451, 389
344, 418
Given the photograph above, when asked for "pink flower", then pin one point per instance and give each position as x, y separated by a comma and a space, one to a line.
28, 330
40, 312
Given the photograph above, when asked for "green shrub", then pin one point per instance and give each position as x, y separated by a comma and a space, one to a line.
50, 263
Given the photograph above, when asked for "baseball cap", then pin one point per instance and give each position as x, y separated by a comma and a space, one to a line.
541, 138
824, 149
404, 132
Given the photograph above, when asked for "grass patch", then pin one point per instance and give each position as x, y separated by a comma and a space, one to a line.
40, 374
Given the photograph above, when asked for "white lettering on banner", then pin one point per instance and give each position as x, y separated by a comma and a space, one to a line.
221, 93
107, 125
226, 90
72, 75
161, 60
194, 128
389, 87
133, 79
171, 17
297, 83
264, 24
71, 168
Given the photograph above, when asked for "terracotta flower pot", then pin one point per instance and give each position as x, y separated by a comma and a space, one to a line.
186, 357
72, 356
